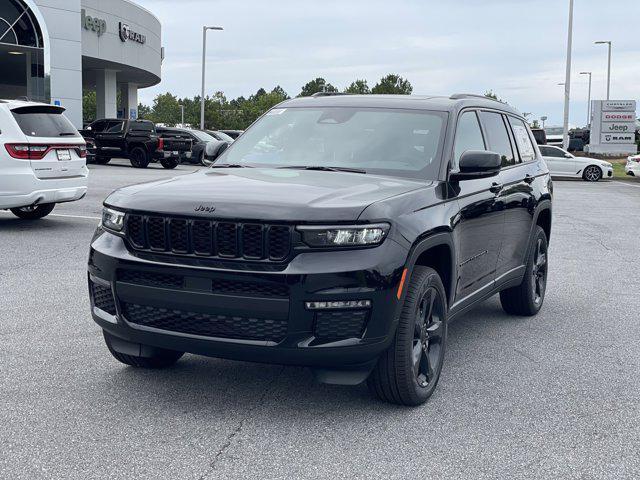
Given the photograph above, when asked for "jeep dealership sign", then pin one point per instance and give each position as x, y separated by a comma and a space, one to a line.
127, 34
613, 127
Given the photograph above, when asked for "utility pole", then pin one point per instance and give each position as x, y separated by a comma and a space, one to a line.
607, 42
589, 99
567, 81
204, 55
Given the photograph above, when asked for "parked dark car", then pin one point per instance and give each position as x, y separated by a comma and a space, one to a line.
199, 140
136, 140
220, 136
341, 233
232, 133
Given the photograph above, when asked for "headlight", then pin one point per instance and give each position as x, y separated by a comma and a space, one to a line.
112, 219
344, 236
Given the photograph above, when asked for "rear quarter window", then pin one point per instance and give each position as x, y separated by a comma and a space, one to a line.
523, 139
44, 122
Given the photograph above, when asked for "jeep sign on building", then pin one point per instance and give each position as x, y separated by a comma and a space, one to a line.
613, 127
52, 50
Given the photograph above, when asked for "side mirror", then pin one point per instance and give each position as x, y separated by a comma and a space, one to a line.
568, 155
213, 150
477, 164
89, 127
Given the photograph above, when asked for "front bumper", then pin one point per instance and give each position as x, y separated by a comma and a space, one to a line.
263, 317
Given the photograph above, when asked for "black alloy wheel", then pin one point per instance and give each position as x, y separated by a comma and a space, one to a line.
427, 337
539, 271
139, 157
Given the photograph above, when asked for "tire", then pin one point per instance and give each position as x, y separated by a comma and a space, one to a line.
169, 163
33, 212
139, 157
408, 372
101, 160
527, 298
161, 359
592, 173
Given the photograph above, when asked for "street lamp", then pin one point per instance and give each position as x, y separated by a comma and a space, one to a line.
182, 115
544, 119
607, 42
567, 81
204, 53
589, 98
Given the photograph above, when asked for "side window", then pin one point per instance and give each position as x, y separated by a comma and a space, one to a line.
498, 137
551, 152
114, 127
98, 126
468, 136
523, 140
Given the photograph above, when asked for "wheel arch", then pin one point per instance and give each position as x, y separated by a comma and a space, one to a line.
436, 251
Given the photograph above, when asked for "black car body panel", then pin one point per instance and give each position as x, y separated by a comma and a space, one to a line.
475, 233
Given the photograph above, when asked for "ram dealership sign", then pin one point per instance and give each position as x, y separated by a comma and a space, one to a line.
613, 127
127, 34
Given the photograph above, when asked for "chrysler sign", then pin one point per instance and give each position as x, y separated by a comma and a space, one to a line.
127, 34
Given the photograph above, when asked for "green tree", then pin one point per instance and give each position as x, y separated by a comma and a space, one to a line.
393, 84
88, 106
358, 87
144, 111
166, 109
317, 85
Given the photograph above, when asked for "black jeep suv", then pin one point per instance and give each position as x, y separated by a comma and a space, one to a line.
338, 232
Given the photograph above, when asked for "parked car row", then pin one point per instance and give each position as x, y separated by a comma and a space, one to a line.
142, 143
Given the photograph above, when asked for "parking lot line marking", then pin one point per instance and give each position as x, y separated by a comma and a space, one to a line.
85, 217
628, 185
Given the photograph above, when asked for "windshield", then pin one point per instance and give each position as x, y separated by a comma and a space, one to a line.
44, 122
202, 136
387, 141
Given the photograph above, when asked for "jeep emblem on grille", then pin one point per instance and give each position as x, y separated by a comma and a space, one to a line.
205, 208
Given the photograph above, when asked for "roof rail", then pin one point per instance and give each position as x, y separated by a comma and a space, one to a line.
460, 96
327, 94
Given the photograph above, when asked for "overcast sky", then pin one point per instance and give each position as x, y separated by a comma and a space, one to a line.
514, 47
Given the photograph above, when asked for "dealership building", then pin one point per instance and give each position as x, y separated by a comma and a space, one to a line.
53, 50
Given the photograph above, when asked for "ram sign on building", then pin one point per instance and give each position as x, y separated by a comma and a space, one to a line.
52, 50
613, 127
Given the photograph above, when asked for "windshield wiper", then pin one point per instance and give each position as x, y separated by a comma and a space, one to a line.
67, 134
322, 168
230, 165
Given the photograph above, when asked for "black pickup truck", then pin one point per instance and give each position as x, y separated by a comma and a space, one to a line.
136, 140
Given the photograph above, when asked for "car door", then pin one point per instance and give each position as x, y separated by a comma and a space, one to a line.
517, 197
479, 225
110, 140
559, 162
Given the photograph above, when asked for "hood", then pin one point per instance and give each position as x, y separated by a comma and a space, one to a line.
264, 194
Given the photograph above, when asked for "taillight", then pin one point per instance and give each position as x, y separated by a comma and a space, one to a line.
18, 151
38, 151
82, 151
161, 143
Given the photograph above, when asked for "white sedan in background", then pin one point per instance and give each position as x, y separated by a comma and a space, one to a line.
562, 164
633, 166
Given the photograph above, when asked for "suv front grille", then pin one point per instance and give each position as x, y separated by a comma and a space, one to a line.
204, 324
103, 298
208, 238
341, 324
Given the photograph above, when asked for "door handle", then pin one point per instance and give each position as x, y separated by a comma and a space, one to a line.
495, 187
528, 178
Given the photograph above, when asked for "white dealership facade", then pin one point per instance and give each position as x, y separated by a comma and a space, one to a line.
52, 50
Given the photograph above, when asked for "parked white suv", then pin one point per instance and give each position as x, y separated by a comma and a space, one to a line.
42, 159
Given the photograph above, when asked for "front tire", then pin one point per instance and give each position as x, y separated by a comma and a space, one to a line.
592, 173
160, 359
33, 212
408, 372
139, 157
526, 299
101, 160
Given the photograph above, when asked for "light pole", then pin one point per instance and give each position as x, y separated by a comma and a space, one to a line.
182, 116
544, 119
608, 42
567, 81
589, 98
204, 53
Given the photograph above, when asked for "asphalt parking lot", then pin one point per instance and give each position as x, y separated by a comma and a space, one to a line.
555, 396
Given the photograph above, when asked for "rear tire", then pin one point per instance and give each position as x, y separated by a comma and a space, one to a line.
101, 160
33, 212
169, 163
161, 359
592, 173
408, 372
139, 157
526, 299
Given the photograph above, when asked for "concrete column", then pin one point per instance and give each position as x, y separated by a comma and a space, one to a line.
129, 96
106, 98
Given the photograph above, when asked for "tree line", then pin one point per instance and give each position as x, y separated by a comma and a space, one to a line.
239, 113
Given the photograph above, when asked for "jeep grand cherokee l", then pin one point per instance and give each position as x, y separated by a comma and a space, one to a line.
341, 233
